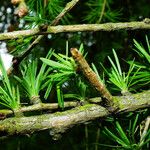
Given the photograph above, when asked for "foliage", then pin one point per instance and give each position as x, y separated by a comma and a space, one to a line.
32, 80
59, 71
43, 12
97, 73
127, 140
9, 93
123, 81
143, 76
16, 47
100, 11
63, 69
81, 93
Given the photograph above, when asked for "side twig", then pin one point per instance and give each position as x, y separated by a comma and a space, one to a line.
67, 8
47, 106
91, 76
102, 11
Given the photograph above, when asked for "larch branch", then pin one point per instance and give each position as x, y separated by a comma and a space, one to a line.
91, 75
67, 8
136, 25
60, 121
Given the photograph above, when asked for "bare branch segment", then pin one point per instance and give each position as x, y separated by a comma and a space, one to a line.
136, 25
91, 75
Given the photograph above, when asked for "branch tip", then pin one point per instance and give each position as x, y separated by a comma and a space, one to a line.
91, 76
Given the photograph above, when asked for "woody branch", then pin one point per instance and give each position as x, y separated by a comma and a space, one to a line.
145, 24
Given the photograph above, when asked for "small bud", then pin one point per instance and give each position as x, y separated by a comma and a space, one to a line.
22, 10
14, 2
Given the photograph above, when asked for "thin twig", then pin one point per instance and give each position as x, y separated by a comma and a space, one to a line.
136, 25
102, 11
91, 75
47, 106
67, 8
39, 107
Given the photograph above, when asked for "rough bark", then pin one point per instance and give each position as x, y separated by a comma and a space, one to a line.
91, 75
57, 122
60, 121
